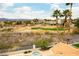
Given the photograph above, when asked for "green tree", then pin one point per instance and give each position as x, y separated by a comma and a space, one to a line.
57, 14
18, 22
27, 22
7, 23
66, 14
14, 23
35, 21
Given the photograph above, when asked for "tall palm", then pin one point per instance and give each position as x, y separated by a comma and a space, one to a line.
57, 14
70, 4
66, 14
70, 20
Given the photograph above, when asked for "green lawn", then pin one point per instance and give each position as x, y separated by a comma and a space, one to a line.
76, 45
48, 29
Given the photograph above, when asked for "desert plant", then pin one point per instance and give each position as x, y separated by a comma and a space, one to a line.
42, 43
76, 31
77, 23
5, 46
76, 28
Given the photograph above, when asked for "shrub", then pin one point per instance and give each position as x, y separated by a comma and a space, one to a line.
77, 23
27, 52
5, 46
42, 43
7, 29
76, 31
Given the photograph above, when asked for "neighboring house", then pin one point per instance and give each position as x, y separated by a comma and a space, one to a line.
60, 21
48, 21
53, 22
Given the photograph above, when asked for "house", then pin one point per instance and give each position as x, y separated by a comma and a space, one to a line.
50, 22
63, 49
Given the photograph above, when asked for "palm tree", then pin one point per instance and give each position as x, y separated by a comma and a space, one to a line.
70, 20
56, 14
71, 4
66, 15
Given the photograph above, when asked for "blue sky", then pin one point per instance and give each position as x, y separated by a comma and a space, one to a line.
34, 10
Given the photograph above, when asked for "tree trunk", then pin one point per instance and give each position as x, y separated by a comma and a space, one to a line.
57, 28
57, 24
65, 23
70, 16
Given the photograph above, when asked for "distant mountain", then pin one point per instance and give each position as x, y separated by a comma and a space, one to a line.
2, 19
6, 19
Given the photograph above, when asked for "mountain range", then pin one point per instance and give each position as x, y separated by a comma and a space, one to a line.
6, 19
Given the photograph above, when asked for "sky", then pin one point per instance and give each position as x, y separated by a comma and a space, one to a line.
34, 10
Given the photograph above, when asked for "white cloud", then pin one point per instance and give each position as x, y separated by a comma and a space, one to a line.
38, 12
27, 16
55, 6
2, 14
25, 12
23, 9
75, 12
20, 12
3, 6
8, 4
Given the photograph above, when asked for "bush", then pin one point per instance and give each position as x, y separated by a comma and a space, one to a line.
76, 31
42, 43
27, 52
7, 29
5, 46
77, 23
